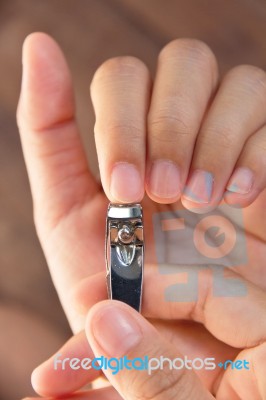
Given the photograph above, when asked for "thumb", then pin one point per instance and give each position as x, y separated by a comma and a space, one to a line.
116, 331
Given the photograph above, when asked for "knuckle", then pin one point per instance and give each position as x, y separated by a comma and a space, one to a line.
257, 144
260, 146
252, 77
160, 385
193, 48
122, 130
218, 136
159, 388
120, 66
167, 128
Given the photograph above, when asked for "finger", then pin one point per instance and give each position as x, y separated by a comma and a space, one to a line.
193, 340
245, 380
100, 394
186, 78
116, 330
58, 376
219, 313
249, 177
237, 111
56, 163
88, 291
120, 93
219, 304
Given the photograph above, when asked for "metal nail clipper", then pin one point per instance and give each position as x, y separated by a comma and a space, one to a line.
124, 253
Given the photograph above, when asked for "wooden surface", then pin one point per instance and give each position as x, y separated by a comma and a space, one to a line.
89, 31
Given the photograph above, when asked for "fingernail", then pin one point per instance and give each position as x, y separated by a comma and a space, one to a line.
115, 330
126, 184
199, 187
164, 179
241, 181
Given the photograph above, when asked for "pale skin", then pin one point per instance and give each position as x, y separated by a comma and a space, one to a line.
199, 128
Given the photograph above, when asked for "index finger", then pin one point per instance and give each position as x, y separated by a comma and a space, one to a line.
60, 180
54, 156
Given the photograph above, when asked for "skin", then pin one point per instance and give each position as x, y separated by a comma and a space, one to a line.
197, 122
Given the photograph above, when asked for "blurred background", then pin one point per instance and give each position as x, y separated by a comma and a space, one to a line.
32, 323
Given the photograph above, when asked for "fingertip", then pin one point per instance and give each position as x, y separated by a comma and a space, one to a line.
39, 45
91, 321
36, 380
242, 188
163, 181
126, 183
238, 200
113, 328
31, 398
46, 90
64, 372
197, 208
41, 48
36, 36
105, 308
161, 199
93, 311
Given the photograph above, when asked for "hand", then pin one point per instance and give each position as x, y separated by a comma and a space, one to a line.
190, 118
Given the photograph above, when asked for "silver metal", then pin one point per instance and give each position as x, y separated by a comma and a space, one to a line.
124, 253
